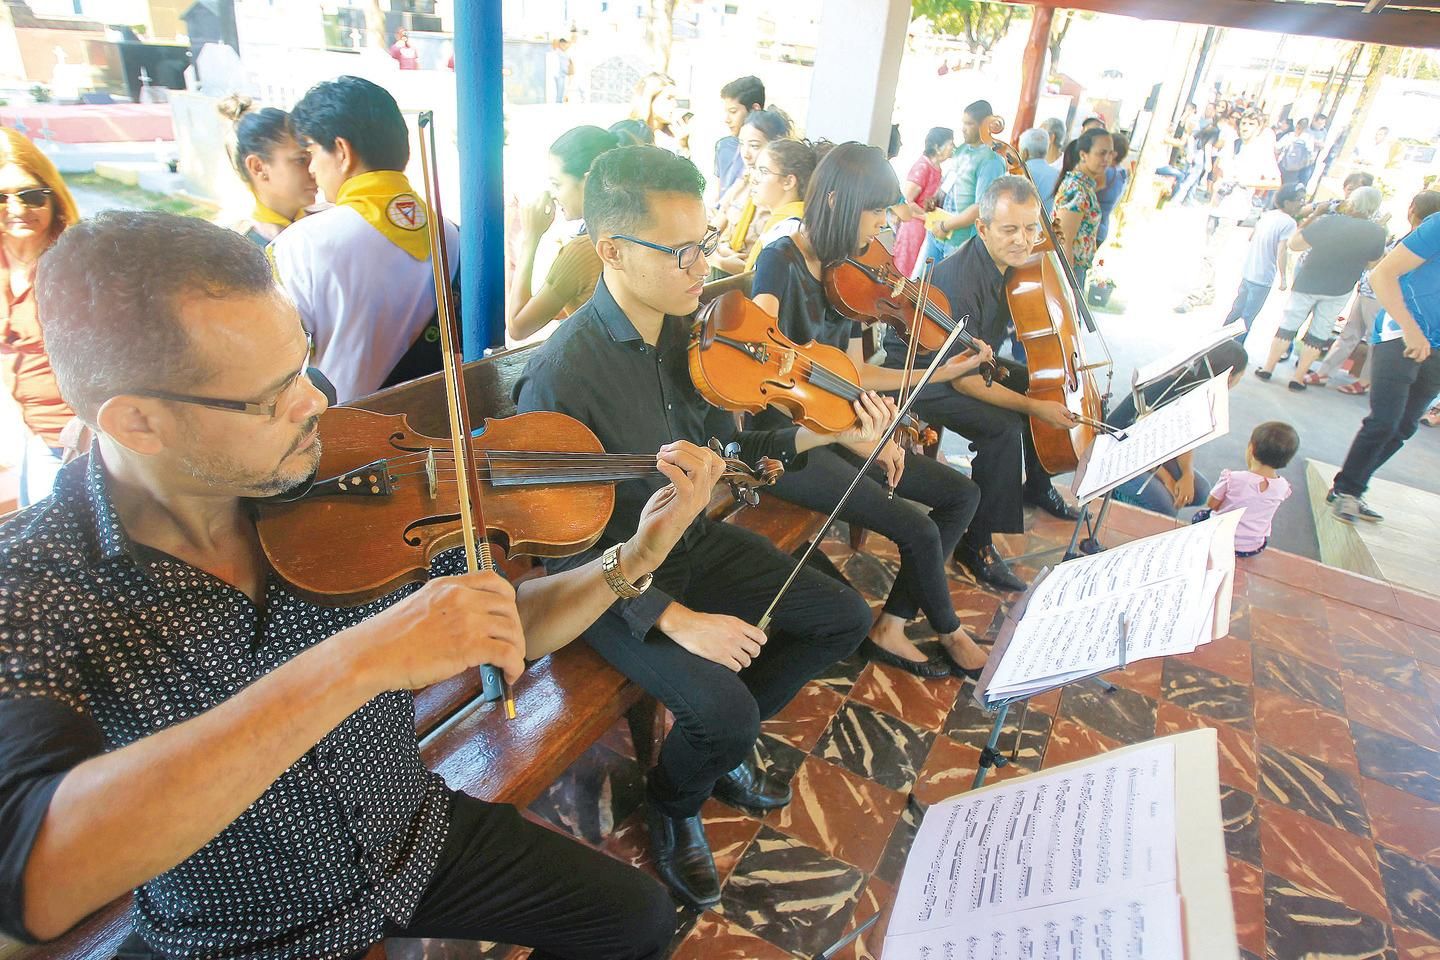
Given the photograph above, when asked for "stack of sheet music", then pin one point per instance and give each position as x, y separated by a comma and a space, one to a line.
1164, 594
1094, 860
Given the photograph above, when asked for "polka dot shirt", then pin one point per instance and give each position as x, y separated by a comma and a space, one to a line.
135, 640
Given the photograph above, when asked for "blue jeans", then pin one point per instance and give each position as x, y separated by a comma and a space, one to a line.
1249, 300
1147, 492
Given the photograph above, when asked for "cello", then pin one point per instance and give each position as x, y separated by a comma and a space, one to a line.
1047, 309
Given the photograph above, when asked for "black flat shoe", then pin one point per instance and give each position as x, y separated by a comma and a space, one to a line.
986, 566
1054, 504
750, 787
930, 668
683, 858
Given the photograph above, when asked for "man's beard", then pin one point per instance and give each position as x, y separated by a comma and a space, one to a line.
220, 470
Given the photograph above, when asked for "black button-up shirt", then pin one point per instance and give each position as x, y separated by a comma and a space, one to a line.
636, 398
104, 641
975, 287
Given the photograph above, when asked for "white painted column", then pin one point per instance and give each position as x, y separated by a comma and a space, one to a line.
857, 68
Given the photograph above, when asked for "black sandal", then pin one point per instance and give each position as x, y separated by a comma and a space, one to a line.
1263, 374
932, 668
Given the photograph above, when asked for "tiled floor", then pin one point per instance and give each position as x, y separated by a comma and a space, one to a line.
1325, 697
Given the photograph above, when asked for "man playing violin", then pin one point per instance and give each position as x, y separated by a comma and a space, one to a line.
178, 721
620, 365
994, 417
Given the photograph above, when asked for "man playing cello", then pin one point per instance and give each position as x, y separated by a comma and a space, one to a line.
994, 417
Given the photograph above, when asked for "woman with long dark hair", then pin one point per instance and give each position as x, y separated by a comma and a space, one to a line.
1077, 205
738, 208
576, 269
846, 206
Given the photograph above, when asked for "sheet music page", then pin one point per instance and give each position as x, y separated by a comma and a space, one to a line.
1182, 355
1143, 924
1085, 638
1106, 827
1155, 438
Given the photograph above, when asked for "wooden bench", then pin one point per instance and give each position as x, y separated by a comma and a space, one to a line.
565, 702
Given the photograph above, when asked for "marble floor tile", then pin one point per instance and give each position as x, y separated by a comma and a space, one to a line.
1268, 594
1208, 693
1300, 924
1239, 766
715, 938
1410, 945
1120, 714
1296, 636
1403, 821
1306, 786
1298, 677
871, 575
875, 745
1421, 609
1353, 626
1241, 818
1304, 728
1395, 670
839, 814
1431, 675
1424, 643
970, 724
1390, 711
841, 675
877, 897
920, 702
1072, 740
1228, 656
892, 861
1247, 893
778, 758
594, 795
1397, 762
976, 607
1143, 677
1321, 858
1413, 889
950, 770
791, 894
805, 717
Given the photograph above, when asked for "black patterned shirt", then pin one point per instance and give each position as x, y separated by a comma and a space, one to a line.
104, 641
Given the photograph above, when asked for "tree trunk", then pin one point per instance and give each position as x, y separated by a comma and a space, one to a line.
1382, 63
1057, 37
659, 32
375, 26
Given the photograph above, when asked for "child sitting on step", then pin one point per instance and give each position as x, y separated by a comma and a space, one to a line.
1259, 489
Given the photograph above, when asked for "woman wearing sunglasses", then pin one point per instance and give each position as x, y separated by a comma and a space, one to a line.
35, 207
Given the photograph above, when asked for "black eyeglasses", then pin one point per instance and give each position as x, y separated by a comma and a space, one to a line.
32, 197
250, 407
685, 256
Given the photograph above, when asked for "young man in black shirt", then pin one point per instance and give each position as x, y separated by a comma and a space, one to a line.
176, 720
619, 365
994, 418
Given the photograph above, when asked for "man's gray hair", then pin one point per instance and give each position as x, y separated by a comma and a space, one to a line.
1365, 202
1055, 127
1034, 143
109, 292
1018, 189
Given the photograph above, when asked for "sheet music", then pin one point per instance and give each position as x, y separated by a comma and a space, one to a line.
1180, 356
1106, 828
1155, 438
1129, 565
1141, 925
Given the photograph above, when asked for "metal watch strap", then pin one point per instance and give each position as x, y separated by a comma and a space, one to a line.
610, 567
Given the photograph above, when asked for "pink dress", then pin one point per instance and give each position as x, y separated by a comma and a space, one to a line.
1241, 488
910, 238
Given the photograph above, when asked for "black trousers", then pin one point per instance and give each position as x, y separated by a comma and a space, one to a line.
925, 538
718, 711
502, 878
1004, 453
1400, 392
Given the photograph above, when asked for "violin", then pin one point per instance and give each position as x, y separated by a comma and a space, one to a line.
1047, 308
739, 360
389, 500
869, 288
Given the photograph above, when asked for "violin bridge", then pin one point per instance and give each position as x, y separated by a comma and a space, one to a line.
898, 288
787, 362
430, 477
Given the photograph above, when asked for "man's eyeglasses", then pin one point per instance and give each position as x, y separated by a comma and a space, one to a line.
33, 197
257, 408
685, 256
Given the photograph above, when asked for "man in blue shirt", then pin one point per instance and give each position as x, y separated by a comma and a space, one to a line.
1405, 369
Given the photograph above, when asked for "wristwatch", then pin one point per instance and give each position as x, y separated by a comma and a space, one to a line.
624, 589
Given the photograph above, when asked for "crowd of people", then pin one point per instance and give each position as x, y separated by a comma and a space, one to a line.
177, 718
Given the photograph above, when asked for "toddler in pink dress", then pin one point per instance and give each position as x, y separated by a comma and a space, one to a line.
1259, 489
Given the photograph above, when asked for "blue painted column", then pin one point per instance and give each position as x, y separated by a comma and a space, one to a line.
479, 84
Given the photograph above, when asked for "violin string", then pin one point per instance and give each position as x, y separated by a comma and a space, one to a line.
443, 454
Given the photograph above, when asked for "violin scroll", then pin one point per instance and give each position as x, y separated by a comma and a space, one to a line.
744, 480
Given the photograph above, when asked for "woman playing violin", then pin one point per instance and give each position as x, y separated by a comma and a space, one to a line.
844, 211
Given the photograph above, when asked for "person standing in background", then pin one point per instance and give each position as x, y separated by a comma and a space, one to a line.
921, 187
973, 168
738, 99
404, 54
1116, 178
1033, 146
273, 165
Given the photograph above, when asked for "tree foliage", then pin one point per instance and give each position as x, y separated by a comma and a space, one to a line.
980, 23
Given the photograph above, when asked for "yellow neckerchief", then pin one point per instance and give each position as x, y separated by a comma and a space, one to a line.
386, 201
263, 214
741, 230
795, 209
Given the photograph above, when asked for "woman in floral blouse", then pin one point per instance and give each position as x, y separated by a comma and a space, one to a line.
1076, 205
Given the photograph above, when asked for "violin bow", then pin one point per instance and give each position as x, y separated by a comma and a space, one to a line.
467, 481
900, 415
912, 348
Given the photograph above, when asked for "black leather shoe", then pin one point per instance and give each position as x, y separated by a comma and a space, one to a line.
749, 786
986, 566
931, 668
1054, 504
683, 859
